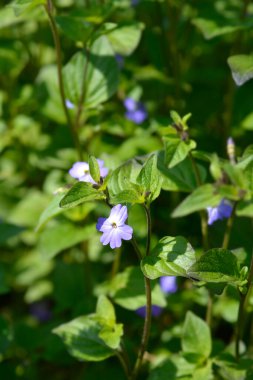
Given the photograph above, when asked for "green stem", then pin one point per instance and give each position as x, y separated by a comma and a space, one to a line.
136, 248
147, 322
148, 218
209, 309
229, 226
241, 311
203, 216
49, 10
146, 331
116, 262
124, 363
83, 92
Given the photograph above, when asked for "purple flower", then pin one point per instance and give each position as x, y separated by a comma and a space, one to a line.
81, 171
168, 284
222, 211
155, 311
135, 111
41, 311
114, 228
69, 104
134, 2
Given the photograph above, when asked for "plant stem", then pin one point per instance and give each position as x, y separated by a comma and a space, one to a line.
147, 322
146, 330
203, 217
49, 10
228, 230
241, 311
136, 248
82, 96
124, 363
148, 217
116, 263
209, 309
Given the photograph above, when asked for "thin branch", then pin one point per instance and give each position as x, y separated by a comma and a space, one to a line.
49, 10
146, 331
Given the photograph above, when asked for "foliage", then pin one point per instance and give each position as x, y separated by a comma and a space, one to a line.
159, 95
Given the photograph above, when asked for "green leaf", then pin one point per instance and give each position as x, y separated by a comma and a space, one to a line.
55, 239
7, 231
201, 198
123, 177
179, 178
241, 67
216, 265
196, 337
176, 150
210, 29
101, 75
30, 268
91, 337
125, 38
215, 167
172, 256
102, 305
47, 82
21, 6
94, 169
134, 195
150, 179
127, 290
79, 193
50, 212
245, 208
74, 28
203, 373
235, 175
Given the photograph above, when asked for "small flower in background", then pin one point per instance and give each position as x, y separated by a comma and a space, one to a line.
156, 311
168, 284
134, 2
41, 311
114, 228
69, 104
81, 171
120, 60
135, 111
231, 150
222, 211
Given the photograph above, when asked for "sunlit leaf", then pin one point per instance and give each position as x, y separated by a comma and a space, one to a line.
241, 67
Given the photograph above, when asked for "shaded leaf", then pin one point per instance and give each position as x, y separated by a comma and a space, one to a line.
50, 211
176, 150
94, 168
127, 290
91, 337
21, 6
196, 337
201, 198
74, 28
125, 38
172, 256
216, 265
149, 178
101, 74
62, 236
123, 177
